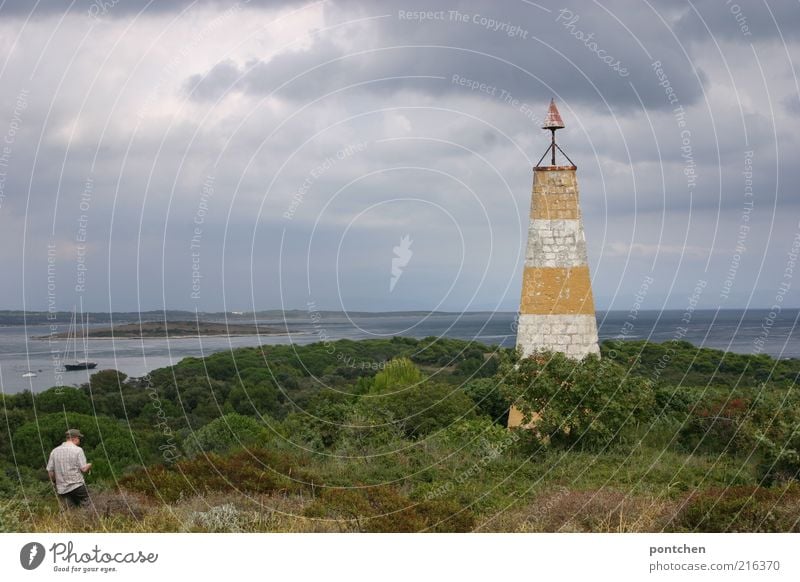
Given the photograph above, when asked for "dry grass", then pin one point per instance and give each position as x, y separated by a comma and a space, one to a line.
555, 510
604, 510
122, 512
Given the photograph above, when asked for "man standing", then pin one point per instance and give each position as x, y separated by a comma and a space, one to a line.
66, 467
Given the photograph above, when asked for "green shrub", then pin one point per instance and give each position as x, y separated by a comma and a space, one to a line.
11, 420
475, 365
742, 509
385, 509
681, 363
718, 426
108, 444
106, 381
400, 395
250, 471
442, 351
319, 425
479, 431
11, 520
63, 398
424, 408
226, 433
8, 481
779, 465
779, 445
256, 399
397, 373
490, 399
364, 436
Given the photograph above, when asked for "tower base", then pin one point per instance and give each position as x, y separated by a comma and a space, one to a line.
574, 335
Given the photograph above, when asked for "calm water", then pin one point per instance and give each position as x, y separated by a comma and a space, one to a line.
730, 330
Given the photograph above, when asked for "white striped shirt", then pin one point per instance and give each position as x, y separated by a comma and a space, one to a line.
66, 462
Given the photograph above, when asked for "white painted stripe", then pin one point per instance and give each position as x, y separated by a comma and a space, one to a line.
556, 243
574, 335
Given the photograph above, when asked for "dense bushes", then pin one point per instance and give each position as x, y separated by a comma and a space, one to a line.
109, 445
681, 363
490, 398
261, 399
397, 373
423, 408
320, 423
742, 509
400, 395
106, 381
383, 509
779, 443
250, 471
226, 433
61, 399
409, 435
760, 423
717, 426
587, 403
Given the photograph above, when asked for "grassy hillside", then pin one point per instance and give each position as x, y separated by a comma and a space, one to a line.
409, 435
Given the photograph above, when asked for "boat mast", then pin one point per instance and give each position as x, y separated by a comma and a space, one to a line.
75, 335
85, 330
69, 338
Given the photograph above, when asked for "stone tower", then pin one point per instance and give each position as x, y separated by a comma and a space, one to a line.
556, 310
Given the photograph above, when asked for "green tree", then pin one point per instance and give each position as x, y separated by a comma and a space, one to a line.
490, 399
258, 399
401, 395
63, 398
106, 381
478, 366
588, 402
398, 372
423, 408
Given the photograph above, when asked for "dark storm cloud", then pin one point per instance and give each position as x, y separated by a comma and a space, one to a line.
120, 8
221, 78
792, 104
591, 55
740, 20
150, 153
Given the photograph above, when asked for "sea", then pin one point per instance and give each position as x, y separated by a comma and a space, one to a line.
24, 352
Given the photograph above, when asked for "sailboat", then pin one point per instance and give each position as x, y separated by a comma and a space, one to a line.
72, 335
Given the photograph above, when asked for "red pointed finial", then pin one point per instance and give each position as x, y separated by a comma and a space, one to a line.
553, 121
553, 118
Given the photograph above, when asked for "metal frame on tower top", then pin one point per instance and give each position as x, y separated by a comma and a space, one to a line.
553, 122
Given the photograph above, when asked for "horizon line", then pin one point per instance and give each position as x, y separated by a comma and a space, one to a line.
420, 310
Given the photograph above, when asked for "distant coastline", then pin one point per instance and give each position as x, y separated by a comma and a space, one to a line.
174, 330
10, 317
17, 317
734, 331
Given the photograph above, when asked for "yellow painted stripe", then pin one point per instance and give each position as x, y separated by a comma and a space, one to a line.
555, 206
556, 291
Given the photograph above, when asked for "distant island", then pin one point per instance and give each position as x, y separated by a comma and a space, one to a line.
15, 317
176, 329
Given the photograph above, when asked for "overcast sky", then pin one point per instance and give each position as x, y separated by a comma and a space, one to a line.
257, 155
